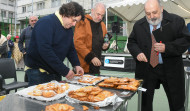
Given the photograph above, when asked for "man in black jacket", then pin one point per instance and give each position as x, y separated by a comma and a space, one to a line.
158, 54
24, 39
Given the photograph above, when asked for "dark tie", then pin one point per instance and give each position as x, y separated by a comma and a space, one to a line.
154, 56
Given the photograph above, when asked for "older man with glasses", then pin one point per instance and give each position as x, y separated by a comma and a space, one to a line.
25, 38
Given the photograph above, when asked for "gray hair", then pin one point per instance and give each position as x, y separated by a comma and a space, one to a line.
32, 16
159, 2
99, 4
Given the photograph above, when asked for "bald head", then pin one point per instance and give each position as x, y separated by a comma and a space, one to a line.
99, 5
152, 4
98, 12
153, 11
33, 20
8, 36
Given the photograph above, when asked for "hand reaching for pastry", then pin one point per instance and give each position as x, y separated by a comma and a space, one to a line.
79, 70
70, 75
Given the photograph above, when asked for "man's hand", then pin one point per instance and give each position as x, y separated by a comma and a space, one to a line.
96, 62
79, 70
105, 45
159, 47
141, 57
70, 75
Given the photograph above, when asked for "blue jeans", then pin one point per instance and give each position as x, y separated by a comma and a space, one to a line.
36, 77
9, 54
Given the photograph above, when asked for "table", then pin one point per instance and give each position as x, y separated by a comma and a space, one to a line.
187, 64
14, 102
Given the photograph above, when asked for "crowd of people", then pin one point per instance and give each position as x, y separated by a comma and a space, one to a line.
156, 43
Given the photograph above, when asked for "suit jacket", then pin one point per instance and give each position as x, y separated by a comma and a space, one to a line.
174, 34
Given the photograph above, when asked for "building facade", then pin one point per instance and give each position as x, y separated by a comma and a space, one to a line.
7, 19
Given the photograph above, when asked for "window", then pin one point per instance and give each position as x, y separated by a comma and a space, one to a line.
11, 15
29, 8
67, 1
40, 5
3, 13
11, 2
23, 9
99, 0
4, 2
55, 3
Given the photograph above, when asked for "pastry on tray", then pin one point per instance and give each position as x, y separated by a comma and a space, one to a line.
89, 79
120, 83
90, 94
85, 108
49, 90
59, 107
103, 84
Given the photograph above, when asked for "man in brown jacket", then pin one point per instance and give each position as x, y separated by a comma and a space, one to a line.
89, 39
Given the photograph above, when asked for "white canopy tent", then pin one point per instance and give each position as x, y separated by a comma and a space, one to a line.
133, 10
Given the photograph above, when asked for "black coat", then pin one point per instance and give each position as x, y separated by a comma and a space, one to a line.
176, 38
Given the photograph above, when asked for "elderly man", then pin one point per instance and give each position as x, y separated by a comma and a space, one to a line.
157, 43
10, 45
89, 39
25, 38
51, 43
26, 34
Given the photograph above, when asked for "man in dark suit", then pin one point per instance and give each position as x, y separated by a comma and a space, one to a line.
157, 43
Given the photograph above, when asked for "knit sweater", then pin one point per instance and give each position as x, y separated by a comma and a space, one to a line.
49, 45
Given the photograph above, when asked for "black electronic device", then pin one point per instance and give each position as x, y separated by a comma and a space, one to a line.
115, 27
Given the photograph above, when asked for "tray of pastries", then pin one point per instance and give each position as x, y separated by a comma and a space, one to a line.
92, 95
130, 84
86, 79
47, 91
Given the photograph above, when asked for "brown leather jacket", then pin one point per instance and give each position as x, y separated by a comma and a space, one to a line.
83, 40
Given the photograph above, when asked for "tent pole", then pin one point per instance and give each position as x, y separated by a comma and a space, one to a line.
106, 18
15, 17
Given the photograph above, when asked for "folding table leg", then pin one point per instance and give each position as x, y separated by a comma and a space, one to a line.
139, 99
187, 91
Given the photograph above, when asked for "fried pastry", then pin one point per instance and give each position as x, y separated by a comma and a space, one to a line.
85, 108
37, 92
50, 86
39, 87
95, 80
127, 87
120, 83
48, 93
90, 94
89, 79
62, 88
96, 107
59, 107
103, 84
49, 90
111, 80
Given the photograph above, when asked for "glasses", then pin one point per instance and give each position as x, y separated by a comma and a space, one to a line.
33, 20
